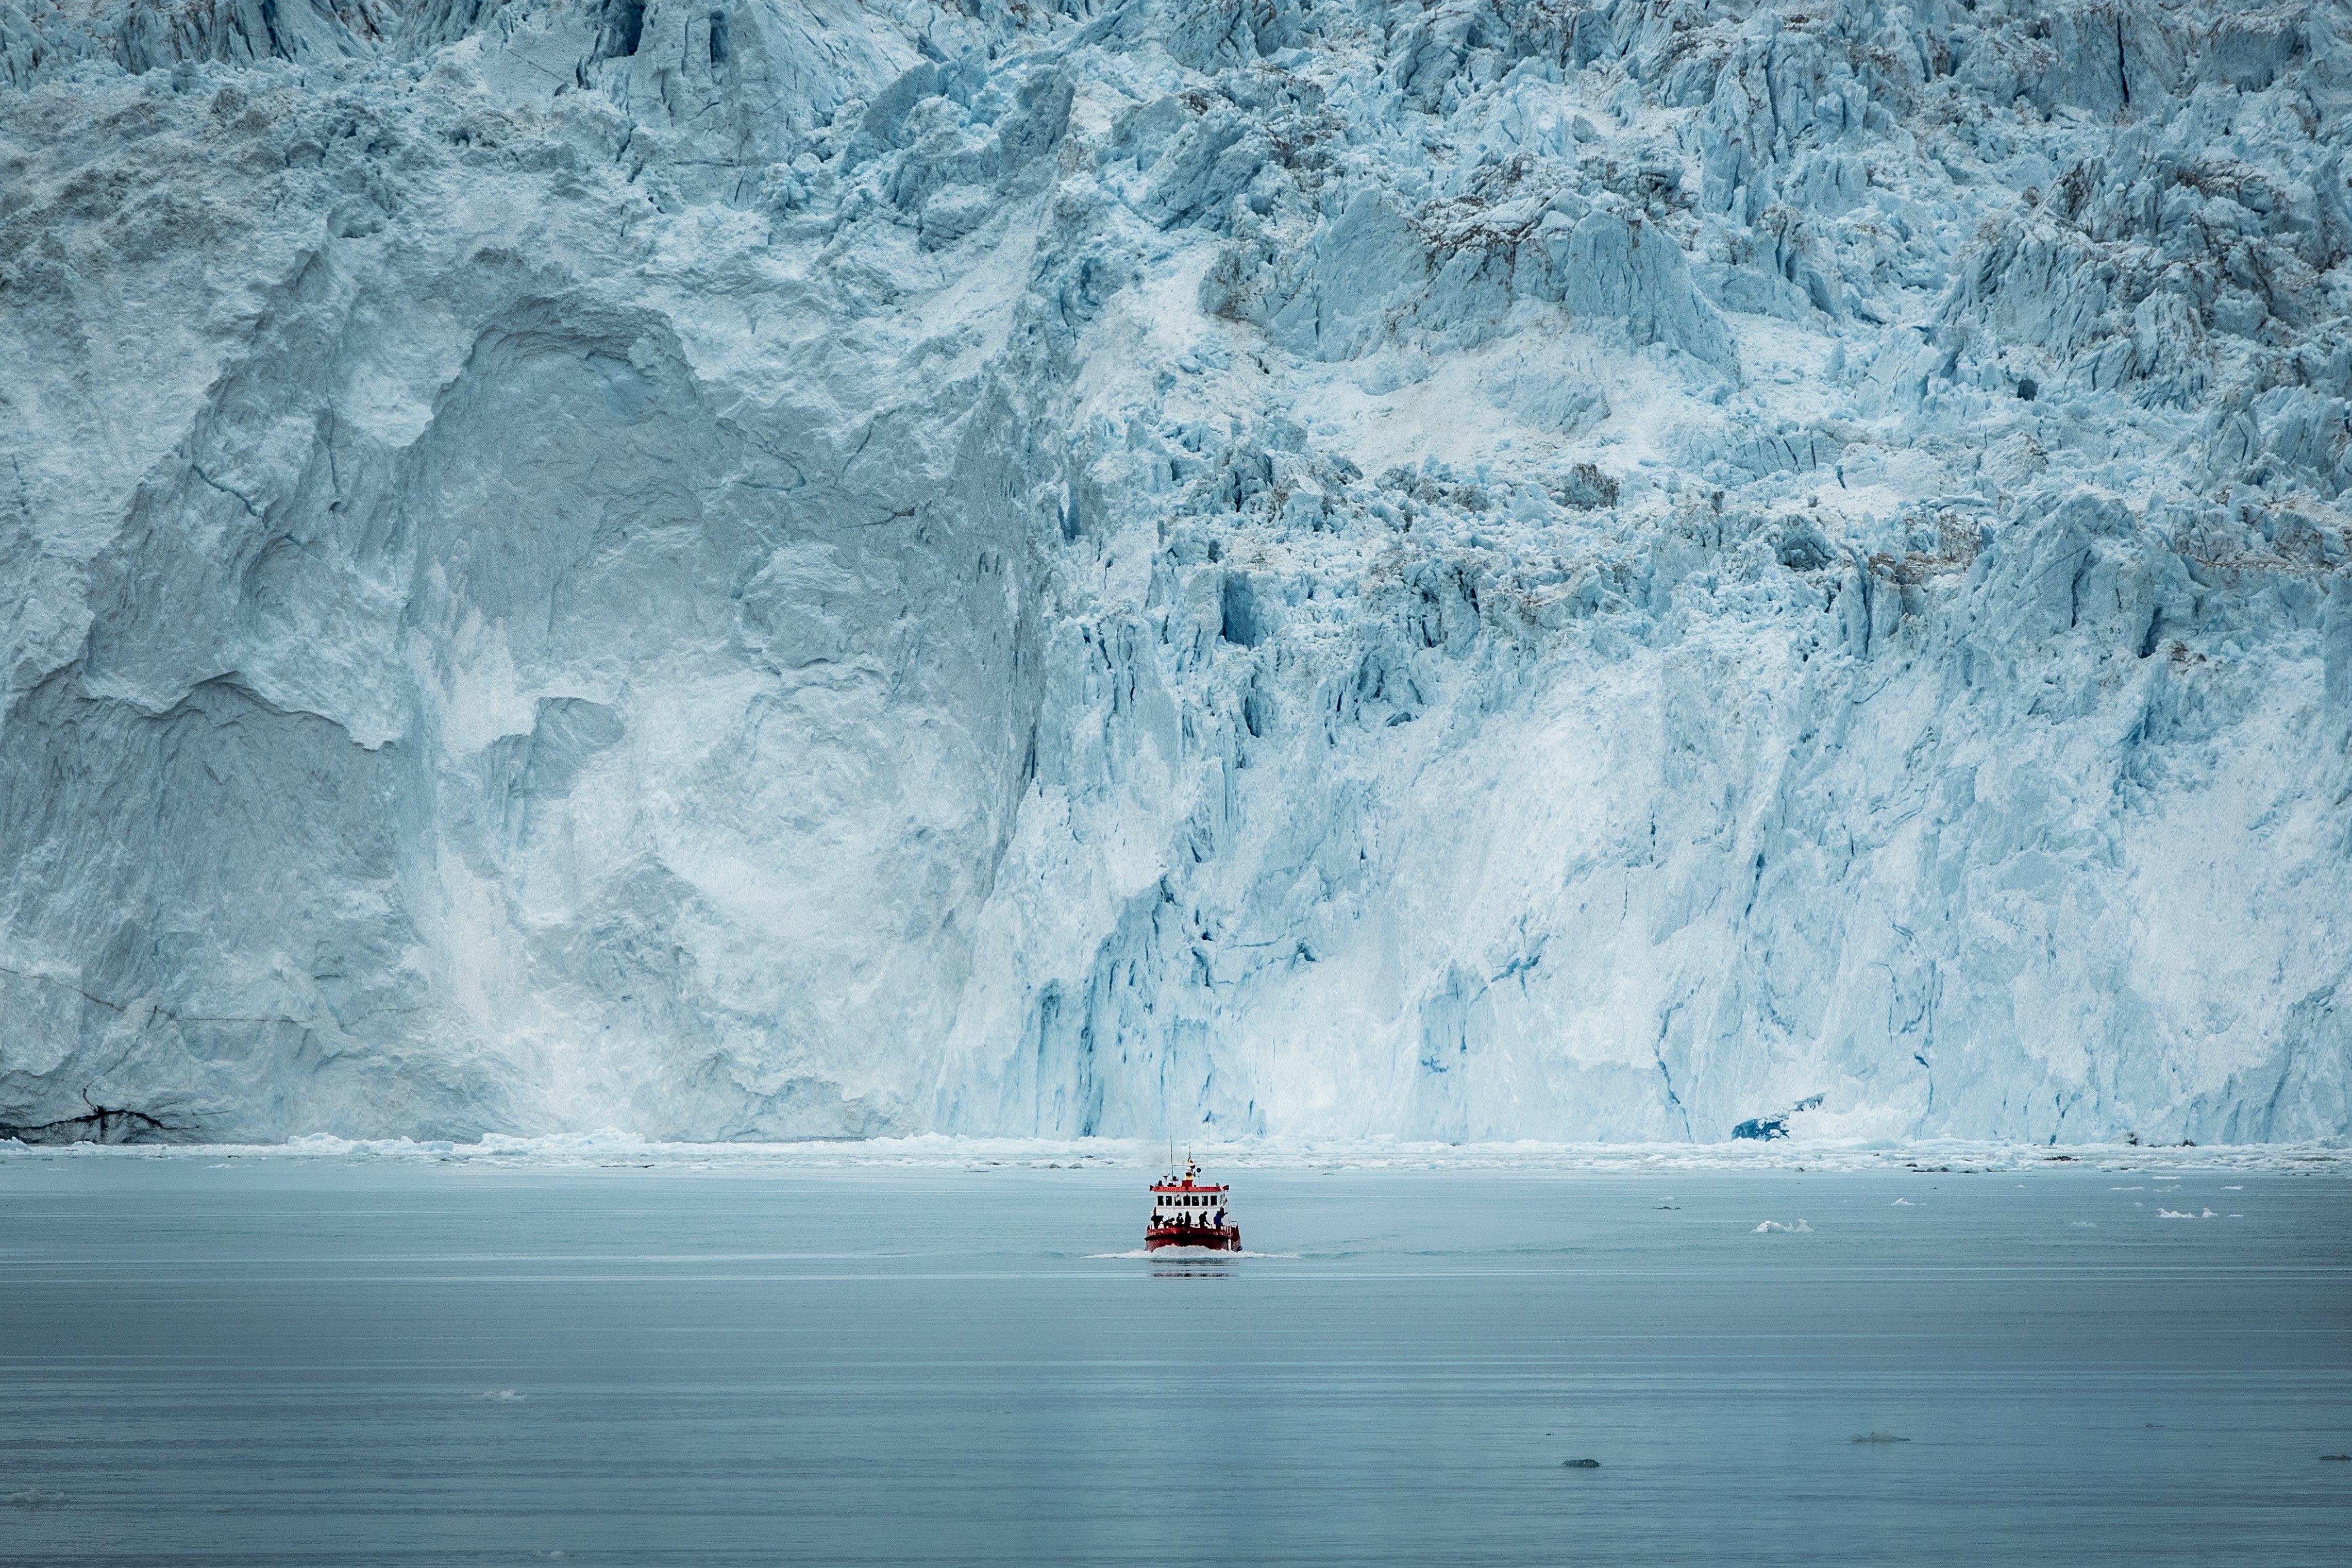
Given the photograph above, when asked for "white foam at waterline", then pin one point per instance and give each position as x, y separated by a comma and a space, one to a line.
1187, 1254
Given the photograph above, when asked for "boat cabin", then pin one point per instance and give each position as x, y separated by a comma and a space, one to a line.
1187, 1202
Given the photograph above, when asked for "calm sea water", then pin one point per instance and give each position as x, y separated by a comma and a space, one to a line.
314, 1362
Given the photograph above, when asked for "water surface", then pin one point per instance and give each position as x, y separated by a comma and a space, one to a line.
325, 1362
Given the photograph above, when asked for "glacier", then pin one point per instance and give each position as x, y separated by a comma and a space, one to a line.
1467, 572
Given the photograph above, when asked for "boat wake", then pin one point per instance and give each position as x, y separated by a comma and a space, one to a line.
1187, 1254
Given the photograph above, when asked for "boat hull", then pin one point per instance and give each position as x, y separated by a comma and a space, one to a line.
1210, 1238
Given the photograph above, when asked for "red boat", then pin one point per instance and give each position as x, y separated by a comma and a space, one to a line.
1191, 1213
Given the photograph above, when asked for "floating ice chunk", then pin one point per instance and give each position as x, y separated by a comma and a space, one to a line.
2174, 1214
503, 1395
1900, 1203
33, 1496
321, 1144
1770, 1226
2084, 1225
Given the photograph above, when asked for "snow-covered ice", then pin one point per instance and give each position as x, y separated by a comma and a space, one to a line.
1475, 572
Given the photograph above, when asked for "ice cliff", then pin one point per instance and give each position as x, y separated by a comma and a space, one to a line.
1486, 570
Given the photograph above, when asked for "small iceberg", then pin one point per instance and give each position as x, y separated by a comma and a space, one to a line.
1771, 1226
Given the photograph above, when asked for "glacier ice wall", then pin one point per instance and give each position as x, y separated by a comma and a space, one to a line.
1481, 570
